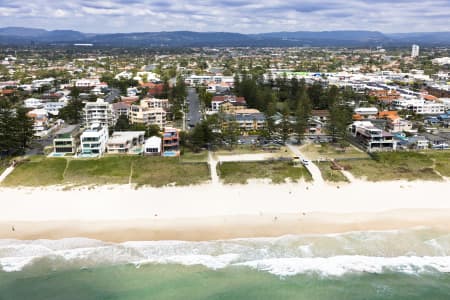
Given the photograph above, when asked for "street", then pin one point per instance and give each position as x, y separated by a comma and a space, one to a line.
194, 116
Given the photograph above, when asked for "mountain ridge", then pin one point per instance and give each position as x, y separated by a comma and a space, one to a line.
185, 38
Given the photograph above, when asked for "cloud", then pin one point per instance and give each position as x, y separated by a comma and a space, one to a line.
248, 16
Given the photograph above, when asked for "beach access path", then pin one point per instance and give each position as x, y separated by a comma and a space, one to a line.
311, 166
6, 173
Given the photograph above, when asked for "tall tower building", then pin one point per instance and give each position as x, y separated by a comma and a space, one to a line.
415, 51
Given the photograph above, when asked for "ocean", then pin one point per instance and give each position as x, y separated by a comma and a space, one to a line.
403, 264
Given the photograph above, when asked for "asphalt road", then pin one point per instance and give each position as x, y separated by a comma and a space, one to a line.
194, 116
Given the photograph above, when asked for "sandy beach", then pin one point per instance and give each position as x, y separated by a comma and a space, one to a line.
207, 212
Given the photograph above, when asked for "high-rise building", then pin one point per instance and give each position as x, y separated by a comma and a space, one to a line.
99, 112
415, 50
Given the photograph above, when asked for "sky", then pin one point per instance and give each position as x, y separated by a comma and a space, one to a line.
244, 16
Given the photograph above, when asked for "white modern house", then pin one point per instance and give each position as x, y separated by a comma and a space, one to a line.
152, 146
33, 103
126, 142
420, 107
94, 140
371, 137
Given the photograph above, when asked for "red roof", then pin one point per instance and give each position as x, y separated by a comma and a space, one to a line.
229, 98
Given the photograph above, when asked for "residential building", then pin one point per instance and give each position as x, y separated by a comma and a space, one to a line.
156, 103
171, 142
38, 83
415, 51
420, 107
99, 112
67, 140
394, 122
121, 109
152, 146
437, 141
372, 138
94, 140
141, 114
247, 119
126, 142
33, 103
228, 103
386, 96
87, 83
40, 119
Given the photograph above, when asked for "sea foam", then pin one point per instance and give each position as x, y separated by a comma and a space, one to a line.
408, 251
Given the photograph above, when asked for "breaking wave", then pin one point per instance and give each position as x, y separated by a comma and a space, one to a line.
408, 251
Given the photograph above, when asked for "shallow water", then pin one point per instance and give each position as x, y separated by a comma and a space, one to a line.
407, 264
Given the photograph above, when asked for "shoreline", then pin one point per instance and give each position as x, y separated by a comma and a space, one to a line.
227, 227
211, 212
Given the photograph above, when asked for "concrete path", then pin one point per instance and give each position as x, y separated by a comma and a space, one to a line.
348, 175
6, 173
213, 169
311, 167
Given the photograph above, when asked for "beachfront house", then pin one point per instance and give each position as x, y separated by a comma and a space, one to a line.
94, 140
152, 146
171, 142
372, 138
67, 140
126, 142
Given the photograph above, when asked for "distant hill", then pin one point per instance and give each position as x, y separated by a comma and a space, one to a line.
26, 36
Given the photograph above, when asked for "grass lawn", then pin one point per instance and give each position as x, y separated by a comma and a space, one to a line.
159, 171
329, 174
189, 156
441, 160
394, 166
106, 170
38, 171
4, 164
277, 171
324, 150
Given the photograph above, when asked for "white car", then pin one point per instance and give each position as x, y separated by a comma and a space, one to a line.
305, 162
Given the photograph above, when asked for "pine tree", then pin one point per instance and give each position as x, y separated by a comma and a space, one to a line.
23, 128
302, 115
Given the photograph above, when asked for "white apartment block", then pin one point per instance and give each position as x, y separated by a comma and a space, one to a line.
99, 112
415, 50
94, 140
420, 107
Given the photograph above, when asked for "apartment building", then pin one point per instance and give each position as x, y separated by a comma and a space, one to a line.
141, 114
386, 96
126, 142
228, 103
99, 112
420, 107
121, 109
67, 140
156, 103
94, 140
247, 119
372, 138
